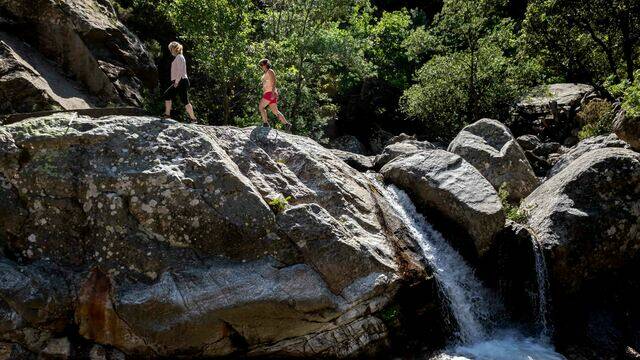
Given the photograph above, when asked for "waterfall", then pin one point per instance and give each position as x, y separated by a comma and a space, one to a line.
458, 284
473, 307
543, 286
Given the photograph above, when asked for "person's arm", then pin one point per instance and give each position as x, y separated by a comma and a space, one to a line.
272, 74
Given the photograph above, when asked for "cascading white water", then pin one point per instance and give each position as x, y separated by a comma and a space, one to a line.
543, 285
460, 288
472, 306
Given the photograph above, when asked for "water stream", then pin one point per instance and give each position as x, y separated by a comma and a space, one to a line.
482, 332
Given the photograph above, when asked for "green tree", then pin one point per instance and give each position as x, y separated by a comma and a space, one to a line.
316, 54
585, 40
473, 70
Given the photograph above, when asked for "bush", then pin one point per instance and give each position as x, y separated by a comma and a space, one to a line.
629, 92
596, 118
279, 204
511, 210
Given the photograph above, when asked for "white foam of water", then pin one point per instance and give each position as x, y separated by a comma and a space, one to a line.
470, 303
507, 346
541, 275
458, 283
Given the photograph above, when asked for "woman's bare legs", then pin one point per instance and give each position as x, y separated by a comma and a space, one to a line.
167, 107
189, 109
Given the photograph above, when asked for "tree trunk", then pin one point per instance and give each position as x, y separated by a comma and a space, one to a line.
627, 44
303, 34
225, 104
606, 49
472, 93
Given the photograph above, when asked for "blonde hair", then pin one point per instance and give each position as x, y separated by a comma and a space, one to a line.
175, 48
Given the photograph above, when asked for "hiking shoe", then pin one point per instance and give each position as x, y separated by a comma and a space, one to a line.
287, 127
165, 116
264, 124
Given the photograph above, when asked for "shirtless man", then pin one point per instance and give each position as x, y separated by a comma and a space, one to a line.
270, 95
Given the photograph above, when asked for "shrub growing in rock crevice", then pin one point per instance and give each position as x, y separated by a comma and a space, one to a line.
511, 210
596, 118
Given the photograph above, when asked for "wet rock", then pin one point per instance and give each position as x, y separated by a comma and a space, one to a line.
444, 181
627, 128
237, 240
359, 162
510, 267
489, 146
11, 351
583, 147
56, 349
586, 216
401, 148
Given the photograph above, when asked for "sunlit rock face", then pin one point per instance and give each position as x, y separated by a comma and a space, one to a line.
165, 239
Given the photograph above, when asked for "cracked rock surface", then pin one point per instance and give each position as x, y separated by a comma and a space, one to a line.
163, 239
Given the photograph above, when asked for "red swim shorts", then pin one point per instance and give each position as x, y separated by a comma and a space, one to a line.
271, 97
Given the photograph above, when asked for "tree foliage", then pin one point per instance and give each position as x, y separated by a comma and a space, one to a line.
473, 70
585, 40
426, 67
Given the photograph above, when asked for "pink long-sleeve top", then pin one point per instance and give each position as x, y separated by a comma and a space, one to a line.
178, 69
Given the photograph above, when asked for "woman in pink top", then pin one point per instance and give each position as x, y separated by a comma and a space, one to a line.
179, 83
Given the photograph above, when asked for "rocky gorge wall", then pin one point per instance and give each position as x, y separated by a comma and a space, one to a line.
135, 236
70, 54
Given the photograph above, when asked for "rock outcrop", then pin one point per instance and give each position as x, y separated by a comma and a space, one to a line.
583, 147
444, 181
28, 82
627, 128
359, 162
541, 155
400, 148
240, 242
549, 111
84, 39
489, 146
586, 216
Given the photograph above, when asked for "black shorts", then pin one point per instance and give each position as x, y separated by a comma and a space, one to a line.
182, 90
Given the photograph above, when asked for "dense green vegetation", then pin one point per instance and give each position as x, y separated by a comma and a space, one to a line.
358, 65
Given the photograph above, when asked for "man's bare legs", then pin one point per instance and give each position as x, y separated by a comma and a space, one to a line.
277, 113
263, 111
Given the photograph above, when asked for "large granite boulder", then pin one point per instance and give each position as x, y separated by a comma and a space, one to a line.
238, 241
359, 162
587, 216
548, 111
447, 183
86, 40
401, 148
583, 147
627, 128
489, 146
